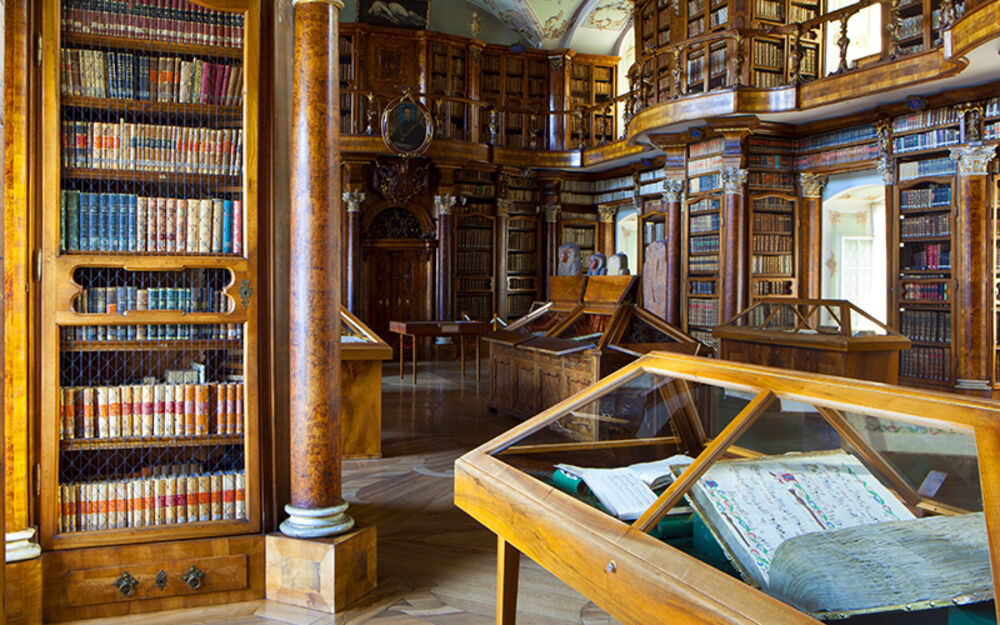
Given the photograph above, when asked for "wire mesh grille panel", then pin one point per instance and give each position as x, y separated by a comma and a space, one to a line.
152, 411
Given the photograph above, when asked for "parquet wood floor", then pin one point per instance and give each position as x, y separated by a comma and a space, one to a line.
436, 565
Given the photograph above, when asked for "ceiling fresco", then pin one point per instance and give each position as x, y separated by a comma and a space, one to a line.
588, 26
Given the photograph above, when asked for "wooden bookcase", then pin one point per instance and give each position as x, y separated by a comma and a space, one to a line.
773, 216
448, 76
519, 82
475, 242
702, 230
350, 103
520, 244
581, 228
149, 309
593, 81
704, 16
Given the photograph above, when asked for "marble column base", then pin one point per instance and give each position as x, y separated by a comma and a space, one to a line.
316, 522
20, 546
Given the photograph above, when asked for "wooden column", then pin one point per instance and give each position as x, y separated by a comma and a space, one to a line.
445, 276
973, 262
673, 190
316, 508
810, 234
606, 229
734, 248
353, 201
551, 260
559, 99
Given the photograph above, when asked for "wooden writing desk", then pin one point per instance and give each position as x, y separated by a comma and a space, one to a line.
461, 329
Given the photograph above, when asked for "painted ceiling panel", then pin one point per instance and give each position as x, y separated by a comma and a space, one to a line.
552, 24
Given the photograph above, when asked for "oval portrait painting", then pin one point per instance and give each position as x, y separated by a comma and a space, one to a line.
406, 126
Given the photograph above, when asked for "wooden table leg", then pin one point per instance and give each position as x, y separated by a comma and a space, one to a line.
508, 565
461, 352
400, 355
413, 346
477, 358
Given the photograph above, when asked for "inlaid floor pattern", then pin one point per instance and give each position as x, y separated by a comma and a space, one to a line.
436, 565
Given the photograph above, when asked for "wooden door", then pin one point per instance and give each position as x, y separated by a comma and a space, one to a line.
398, 284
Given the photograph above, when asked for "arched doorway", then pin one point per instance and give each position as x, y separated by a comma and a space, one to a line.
398, 257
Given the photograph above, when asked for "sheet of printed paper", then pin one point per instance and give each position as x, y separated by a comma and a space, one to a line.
755, 505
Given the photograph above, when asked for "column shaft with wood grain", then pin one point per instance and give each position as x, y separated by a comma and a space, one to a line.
734, 248
973, 260
445, 276
673, 189
353, 201
317, 536
810, 233
606, 229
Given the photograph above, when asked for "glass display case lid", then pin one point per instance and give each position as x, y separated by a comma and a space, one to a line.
810, 320
836, 497
359, 341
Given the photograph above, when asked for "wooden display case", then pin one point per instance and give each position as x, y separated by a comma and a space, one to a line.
149, 307
362, 352
567, 344
672, 565
825, 336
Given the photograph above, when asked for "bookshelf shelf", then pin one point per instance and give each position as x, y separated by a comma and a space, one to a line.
225, 184
98, 444
173, 345
221, 113
149, 45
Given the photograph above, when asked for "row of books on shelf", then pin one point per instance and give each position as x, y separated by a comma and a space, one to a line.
763, 79
119, 222
704, 165
769, 52
770, 145
925, 118
650, 175
147, 411
127, 76
703, 264
993, 107
522, 263
520, 284
518, 304
927, 363
112, 300
771, 287
615, 196
651, 188
850, 154
929, 167
474, 262
991, 131
773, 243
911, 26
481, 238
774, 222
520, 195
930, 257
583, 237
702, 287
706, 204
932, 225
926, 140
521, 240
773, 264
771, 180
653, 205
718, 17
773, 10
705, 338
798, 13
184, 496
705, 148
930, 291
855, 134
476, 190
703, 312
612, 184
699, 245
770, 161
701, 184
439, 63
577, 198
578, 186
477, 305
704, 223
654, 231
474, 284
124, 146
175, 21
772, 204
926, 325
160, 332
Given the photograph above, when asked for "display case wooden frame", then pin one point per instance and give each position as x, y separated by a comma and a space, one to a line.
639, 579
57, 271
361, 384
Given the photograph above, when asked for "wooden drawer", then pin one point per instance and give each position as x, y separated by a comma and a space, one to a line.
82, 583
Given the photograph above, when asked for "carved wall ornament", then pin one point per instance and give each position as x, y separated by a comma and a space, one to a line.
673, 190
504, 207
444, 203
733, 180
556, 62
886, 170
607, 213
972, 120
399, 180
552, 212
353, 200
395, 223
476, 25
973, 160
883, 129
811, 185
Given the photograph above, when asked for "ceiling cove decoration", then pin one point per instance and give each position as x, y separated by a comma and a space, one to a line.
613, 15
591, 26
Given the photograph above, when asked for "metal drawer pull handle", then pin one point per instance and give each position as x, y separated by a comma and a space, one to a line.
194, 577
126, 584
161, 580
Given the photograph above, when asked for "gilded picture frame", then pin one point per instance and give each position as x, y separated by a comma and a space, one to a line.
407, 126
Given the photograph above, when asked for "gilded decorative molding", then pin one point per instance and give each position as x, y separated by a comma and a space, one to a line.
673, 190
607, 213
556, 62
811, 185
973, 160
552, 212
337, 3
886, 170
353, 200
733, 179
444, 203
400, 180
971, 114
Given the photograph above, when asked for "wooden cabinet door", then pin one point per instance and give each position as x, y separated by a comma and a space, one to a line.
395, 288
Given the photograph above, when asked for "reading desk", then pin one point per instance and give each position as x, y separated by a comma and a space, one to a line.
461, 329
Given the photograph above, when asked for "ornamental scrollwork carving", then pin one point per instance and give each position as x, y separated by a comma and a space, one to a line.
811, 185
400, 180
733, 180
673, 190
973, 160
